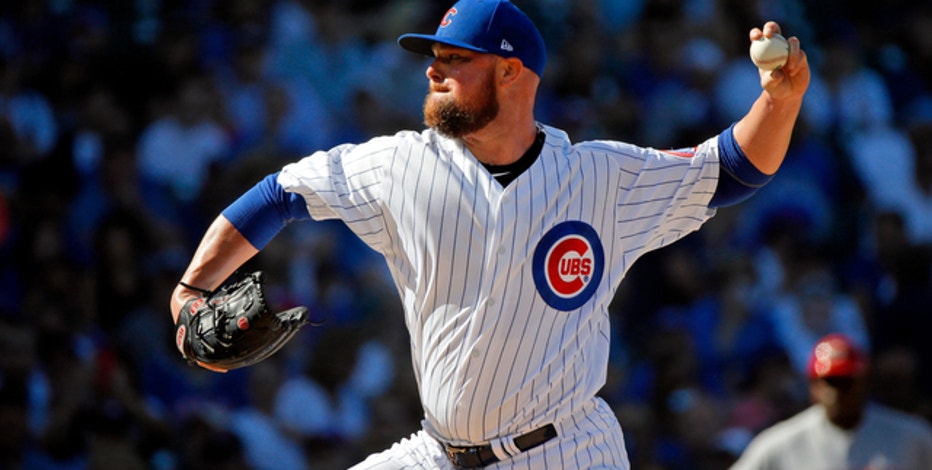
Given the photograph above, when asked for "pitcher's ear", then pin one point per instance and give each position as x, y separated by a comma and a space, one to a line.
509, 68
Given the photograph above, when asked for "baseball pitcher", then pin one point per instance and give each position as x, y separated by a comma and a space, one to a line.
505, 239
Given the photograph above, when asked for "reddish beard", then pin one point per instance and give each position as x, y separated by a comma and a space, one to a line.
455, 119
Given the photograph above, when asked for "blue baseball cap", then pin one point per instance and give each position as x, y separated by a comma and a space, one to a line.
489, 26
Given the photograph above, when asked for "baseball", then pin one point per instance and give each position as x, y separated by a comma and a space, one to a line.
770, 53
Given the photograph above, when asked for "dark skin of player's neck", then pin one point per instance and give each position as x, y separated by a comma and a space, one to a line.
512, 132
843, 399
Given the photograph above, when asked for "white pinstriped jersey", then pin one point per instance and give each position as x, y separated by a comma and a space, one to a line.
506, 290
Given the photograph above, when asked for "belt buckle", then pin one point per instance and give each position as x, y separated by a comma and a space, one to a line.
456, 453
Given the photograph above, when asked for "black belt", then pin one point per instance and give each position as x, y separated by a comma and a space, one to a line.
481, 456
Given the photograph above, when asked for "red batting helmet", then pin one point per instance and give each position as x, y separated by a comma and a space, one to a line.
835, 355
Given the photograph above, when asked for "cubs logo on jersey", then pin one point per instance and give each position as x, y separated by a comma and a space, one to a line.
568, 265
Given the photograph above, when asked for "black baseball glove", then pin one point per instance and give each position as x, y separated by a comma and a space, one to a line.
233, 326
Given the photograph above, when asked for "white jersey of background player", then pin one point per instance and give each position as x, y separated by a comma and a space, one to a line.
506, 240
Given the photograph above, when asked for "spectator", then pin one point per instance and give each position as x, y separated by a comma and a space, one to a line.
330, 406
176, 152
270, 116
266, 445
26, 114
813, 305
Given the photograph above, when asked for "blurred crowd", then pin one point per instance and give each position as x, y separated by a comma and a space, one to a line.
126, 126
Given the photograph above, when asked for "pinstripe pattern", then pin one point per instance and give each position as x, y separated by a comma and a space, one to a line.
583, 443
491, 356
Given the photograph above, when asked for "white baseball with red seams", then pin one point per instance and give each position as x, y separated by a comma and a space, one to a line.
770, 53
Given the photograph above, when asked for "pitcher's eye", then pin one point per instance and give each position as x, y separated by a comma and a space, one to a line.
451, 58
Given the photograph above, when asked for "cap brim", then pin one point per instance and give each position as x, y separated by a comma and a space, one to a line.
424, 43
846, 369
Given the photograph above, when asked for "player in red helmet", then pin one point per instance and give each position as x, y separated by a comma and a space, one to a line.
842, 428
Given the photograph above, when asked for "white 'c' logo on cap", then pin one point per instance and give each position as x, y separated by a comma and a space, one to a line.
448, 17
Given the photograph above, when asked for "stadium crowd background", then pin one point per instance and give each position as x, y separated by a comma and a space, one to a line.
125, 126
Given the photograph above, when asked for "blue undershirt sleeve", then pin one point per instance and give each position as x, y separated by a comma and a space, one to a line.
739, 178
264, 210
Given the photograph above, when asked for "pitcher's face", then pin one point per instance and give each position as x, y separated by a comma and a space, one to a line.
462, 98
